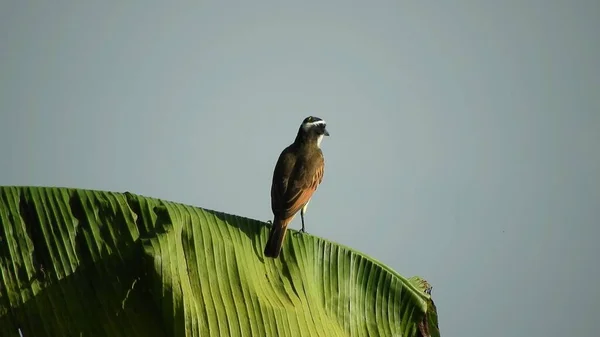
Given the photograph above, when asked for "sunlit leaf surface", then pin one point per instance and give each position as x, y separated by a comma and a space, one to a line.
92, 263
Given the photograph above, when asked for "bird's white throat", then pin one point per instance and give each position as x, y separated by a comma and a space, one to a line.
319, 139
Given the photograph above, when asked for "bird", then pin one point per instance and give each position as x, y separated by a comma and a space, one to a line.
298, 173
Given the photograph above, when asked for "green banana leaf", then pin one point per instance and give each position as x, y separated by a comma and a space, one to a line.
90, 263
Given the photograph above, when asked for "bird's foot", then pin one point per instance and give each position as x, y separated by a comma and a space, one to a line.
301, 231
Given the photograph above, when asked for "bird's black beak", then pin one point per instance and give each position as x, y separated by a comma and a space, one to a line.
325, 132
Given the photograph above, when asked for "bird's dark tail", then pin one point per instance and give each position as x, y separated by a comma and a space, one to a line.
276, 237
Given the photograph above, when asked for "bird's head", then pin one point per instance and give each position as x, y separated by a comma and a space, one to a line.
314, 125
313, 128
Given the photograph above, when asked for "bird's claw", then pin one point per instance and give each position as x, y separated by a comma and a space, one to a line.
301, 231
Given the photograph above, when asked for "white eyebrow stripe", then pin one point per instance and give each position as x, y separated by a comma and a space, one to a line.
317, 122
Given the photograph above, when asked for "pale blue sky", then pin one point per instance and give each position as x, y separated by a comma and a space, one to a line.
465, 136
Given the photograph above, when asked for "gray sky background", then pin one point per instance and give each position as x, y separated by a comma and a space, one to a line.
465, 136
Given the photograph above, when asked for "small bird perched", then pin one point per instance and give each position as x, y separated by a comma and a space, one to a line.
298, 173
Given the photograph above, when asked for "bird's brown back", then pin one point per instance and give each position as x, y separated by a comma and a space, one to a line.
298, 173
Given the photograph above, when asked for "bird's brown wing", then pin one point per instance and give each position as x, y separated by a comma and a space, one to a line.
294, 183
